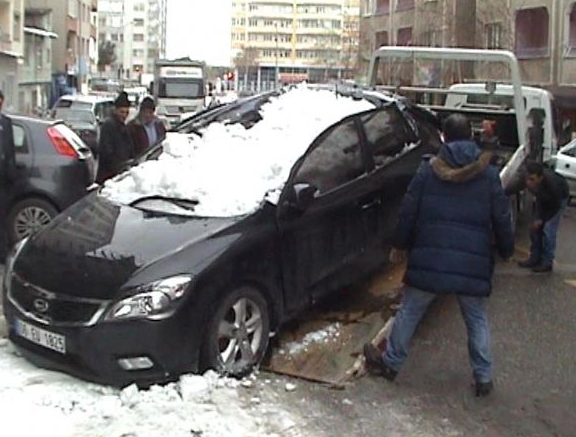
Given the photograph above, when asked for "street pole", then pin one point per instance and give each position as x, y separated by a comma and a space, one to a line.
276, 70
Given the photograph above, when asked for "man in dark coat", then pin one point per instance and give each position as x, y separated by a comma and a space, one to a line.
115, 145
7, 171
454, 207
552, 193
146, 130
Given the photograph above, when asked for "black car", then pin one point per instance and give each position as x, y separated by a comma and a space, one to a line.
120, 293
84, 123
54, 170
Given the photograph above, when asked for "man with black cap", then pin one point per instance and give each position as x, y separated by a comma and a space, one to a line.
146, 129
115, 146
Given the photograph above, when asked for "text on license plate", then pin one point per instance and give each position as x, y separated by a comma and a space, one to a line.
44, 338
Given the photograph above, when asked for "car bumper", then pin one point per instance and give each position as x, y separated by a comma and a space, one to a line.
92, 352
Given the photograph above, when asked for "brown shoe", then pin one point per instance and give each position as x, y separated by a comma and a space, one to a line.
375, 363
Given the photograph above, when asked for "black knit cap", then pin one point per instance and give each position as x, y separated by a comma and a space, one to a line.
122, 101
148, 103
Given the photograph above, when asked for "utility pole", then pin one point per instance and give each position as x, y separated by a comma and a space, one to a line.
276, 70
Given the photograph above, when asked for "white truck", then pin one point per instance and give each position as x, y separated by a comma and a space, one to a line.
520, 120
179, 87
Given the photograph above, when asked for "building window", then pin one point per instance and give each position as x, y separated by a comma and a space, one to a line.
431, 38
139, 7
138, 37
404, 5
17, 29
368, 7
572, 29
253, 22
138, 22
382, 39
532, 30
494, 36
382, 6
404, 37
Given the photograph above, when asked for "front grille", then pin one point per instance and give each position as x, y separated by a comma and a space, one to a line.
50, 308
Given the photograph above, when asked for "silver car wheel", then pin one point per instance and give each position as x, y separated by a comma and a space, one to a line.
240, 335
30, 220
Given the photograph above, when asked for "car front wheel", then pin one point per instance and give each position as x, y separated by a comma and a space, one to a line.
238, 332
28, 217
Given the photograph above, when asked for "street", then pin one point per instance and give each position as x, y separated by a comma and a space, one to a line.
533, 332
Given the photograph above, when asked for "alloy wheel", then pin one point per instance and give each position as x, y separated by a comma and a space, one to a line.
30, 220
240, 335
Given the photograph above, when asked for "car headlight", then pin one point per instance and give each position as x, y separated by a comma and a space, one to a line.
154, 301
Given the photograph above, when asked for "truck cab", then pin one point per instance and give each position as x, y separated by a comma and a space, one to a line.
179, 87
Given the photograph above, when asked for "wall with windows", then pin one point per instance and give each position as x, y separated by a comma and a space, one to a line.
299, 35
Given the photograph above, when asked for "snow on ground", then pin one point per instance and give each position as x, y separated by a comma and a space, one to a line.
325, 335
36, 402
231, 169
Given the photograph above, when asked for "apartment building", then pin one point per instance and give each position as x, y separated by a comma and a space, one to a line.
542, 33
11, 48
35, 78
285, 41
138, 30
74, 52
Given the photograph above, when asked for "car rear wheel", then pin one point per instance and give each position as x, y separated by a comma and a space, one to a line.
28, 217
238, 333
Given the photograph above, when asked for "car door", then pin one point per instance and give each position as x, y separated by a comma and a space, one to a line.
396, 151
566, 165
23, 150
322, 243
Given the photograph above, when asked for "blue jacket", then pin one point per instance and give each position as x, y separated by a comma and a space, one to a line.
454, 207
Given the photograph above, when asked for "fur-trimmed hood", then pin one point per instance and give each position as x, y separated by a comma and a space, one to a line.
460, 162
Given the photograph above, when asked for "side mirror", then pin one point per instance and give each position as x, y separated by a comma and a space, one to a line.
302, 196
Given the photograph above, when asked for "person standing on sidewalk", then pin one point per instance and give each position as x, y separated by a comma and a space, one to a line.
7, 172
115, 146
552, 193
146, 129
453, 207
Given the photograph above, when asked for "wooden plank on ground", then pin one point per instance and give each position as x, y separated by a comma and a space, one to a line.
349, 319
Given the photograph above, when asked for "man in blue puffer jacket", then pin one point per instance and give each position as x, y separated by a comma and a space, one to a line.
454, 207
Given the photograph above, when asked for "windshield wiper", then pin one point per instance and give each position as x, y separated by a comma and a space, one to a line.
186, 204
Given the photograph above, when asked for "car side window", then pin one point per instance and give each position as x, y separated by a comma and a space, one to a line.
571, 151
336, 159
20, 140
387, 133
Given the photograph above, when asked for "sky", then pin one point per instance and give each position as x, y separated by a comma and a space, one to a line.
200, 29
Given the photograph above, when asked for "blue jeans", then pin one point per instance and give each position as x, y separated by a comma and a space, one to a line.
414, 305
543, 247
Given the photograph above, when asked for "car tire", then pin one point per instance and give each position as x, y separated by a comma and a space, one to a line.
237, 333
32, 213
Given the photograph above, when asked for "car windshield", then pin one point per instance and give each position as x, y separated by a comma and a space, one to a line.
77, 115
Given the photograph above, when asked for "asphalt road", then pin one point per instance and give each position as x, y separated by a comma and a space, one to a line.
533, 320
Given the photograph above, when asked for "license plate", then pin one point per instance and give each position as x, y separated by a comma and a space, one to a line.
41, 337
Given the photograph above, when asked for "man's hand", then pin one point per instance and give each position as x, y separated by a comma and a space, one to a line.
536, 225
397, 256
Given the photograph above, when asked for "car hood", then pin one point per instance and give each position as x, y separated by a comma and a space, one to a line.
95, 248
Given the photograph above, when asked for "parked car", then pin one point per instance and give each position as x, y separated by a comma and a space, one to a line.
566, 165
54, 169
117, 293
84, 123
100, 106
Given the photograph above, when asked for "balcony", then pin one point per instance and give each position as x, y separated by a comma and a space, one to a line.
72, 25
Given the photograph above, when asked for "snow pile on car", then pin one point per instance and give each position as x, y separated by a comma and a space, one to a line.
230, 169
38, 402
